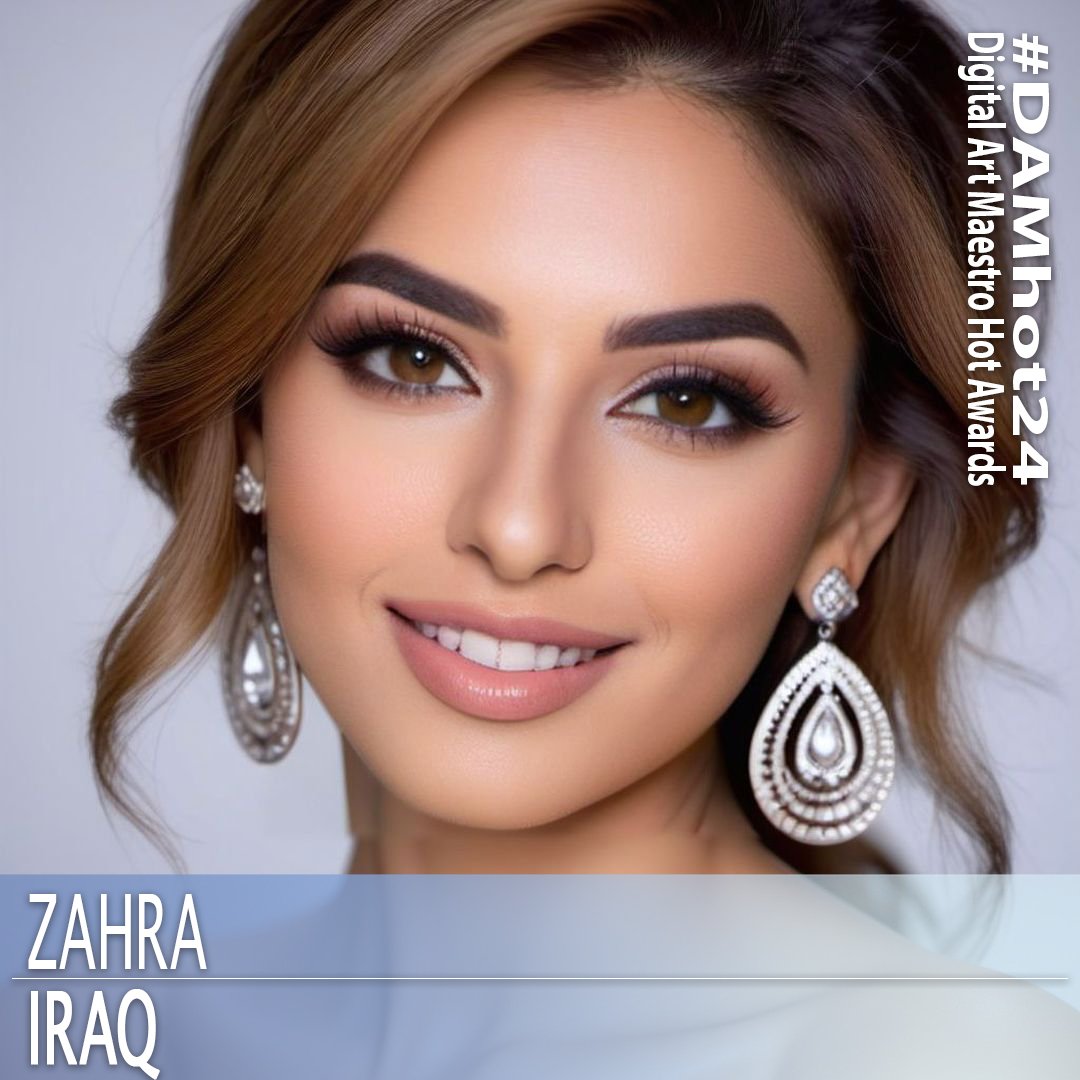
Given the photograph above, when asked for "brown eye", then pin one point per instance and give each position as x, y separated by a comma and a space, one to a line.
414, 362
404, 362
686, 406
397, 359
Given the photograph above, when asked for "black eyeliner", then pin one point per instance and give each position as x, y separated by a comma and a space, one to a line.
359, 334
753, 407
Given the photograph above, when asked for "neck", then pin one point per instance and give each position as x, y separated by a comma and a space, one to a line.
680, 819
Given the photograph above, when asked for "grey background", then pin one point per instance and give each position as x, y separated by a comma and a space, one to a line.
93, 96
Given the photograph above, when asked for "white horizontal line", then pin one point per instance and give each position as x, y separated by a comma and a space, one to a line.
540, 978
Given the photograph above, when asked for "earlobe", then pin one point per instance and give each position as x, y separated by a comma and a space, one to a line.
865, 511
250, 445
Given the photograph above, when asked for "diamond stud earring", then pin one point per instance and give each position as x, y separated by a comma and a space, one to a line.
249, 493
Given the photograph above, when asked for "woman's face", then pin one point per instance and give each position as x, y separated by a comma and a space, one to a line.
567, 254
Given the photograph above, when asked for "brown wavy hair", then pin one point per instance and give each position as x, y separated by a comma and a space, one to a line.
308, 112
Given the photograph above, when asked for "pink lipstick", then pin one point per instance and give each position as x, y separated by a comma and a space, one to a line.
486, 692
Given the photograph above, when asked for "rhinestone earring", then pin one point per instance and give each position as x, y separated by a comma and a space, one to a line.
822, 755
260, 676
249, 492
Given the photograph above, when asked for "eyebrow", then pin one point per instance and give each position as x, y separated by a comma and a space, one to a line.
707, 322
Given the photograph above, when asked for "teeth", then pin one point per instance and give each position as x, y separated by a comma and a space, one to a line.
477, 647
547, 656
516, 655
503, 655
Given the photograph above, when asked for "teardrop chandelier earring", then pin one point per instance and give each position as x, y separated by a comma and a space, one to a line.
822, 756
260, 677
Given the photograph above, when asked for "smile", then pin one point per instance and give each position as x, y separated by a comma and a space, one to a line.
496, 678
501, 654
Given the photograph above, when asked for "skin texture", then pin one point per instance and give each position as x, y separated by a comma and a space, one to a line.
531, 496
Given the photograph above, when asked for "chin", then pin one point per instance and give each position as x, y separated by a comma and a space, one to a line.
498, 806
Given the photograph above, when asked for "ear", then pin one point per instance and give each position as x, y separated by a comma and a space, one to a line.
862, 515
250, 443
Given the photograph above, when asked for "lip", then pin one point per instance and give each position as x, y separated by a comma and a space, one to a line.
487, 693
509, 628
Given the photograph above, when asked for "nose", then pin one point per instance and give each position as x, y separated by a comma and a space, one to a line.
523, 502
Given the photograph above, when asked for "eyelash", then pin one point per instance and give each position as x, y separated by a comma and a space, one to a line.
751, 408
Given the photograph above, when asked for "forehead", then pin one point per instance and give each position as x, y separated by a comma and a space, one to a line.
601, 202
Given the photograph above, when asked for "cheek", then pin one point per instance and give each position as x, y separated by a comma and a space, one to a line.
343, 482
716, 558
347, 494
